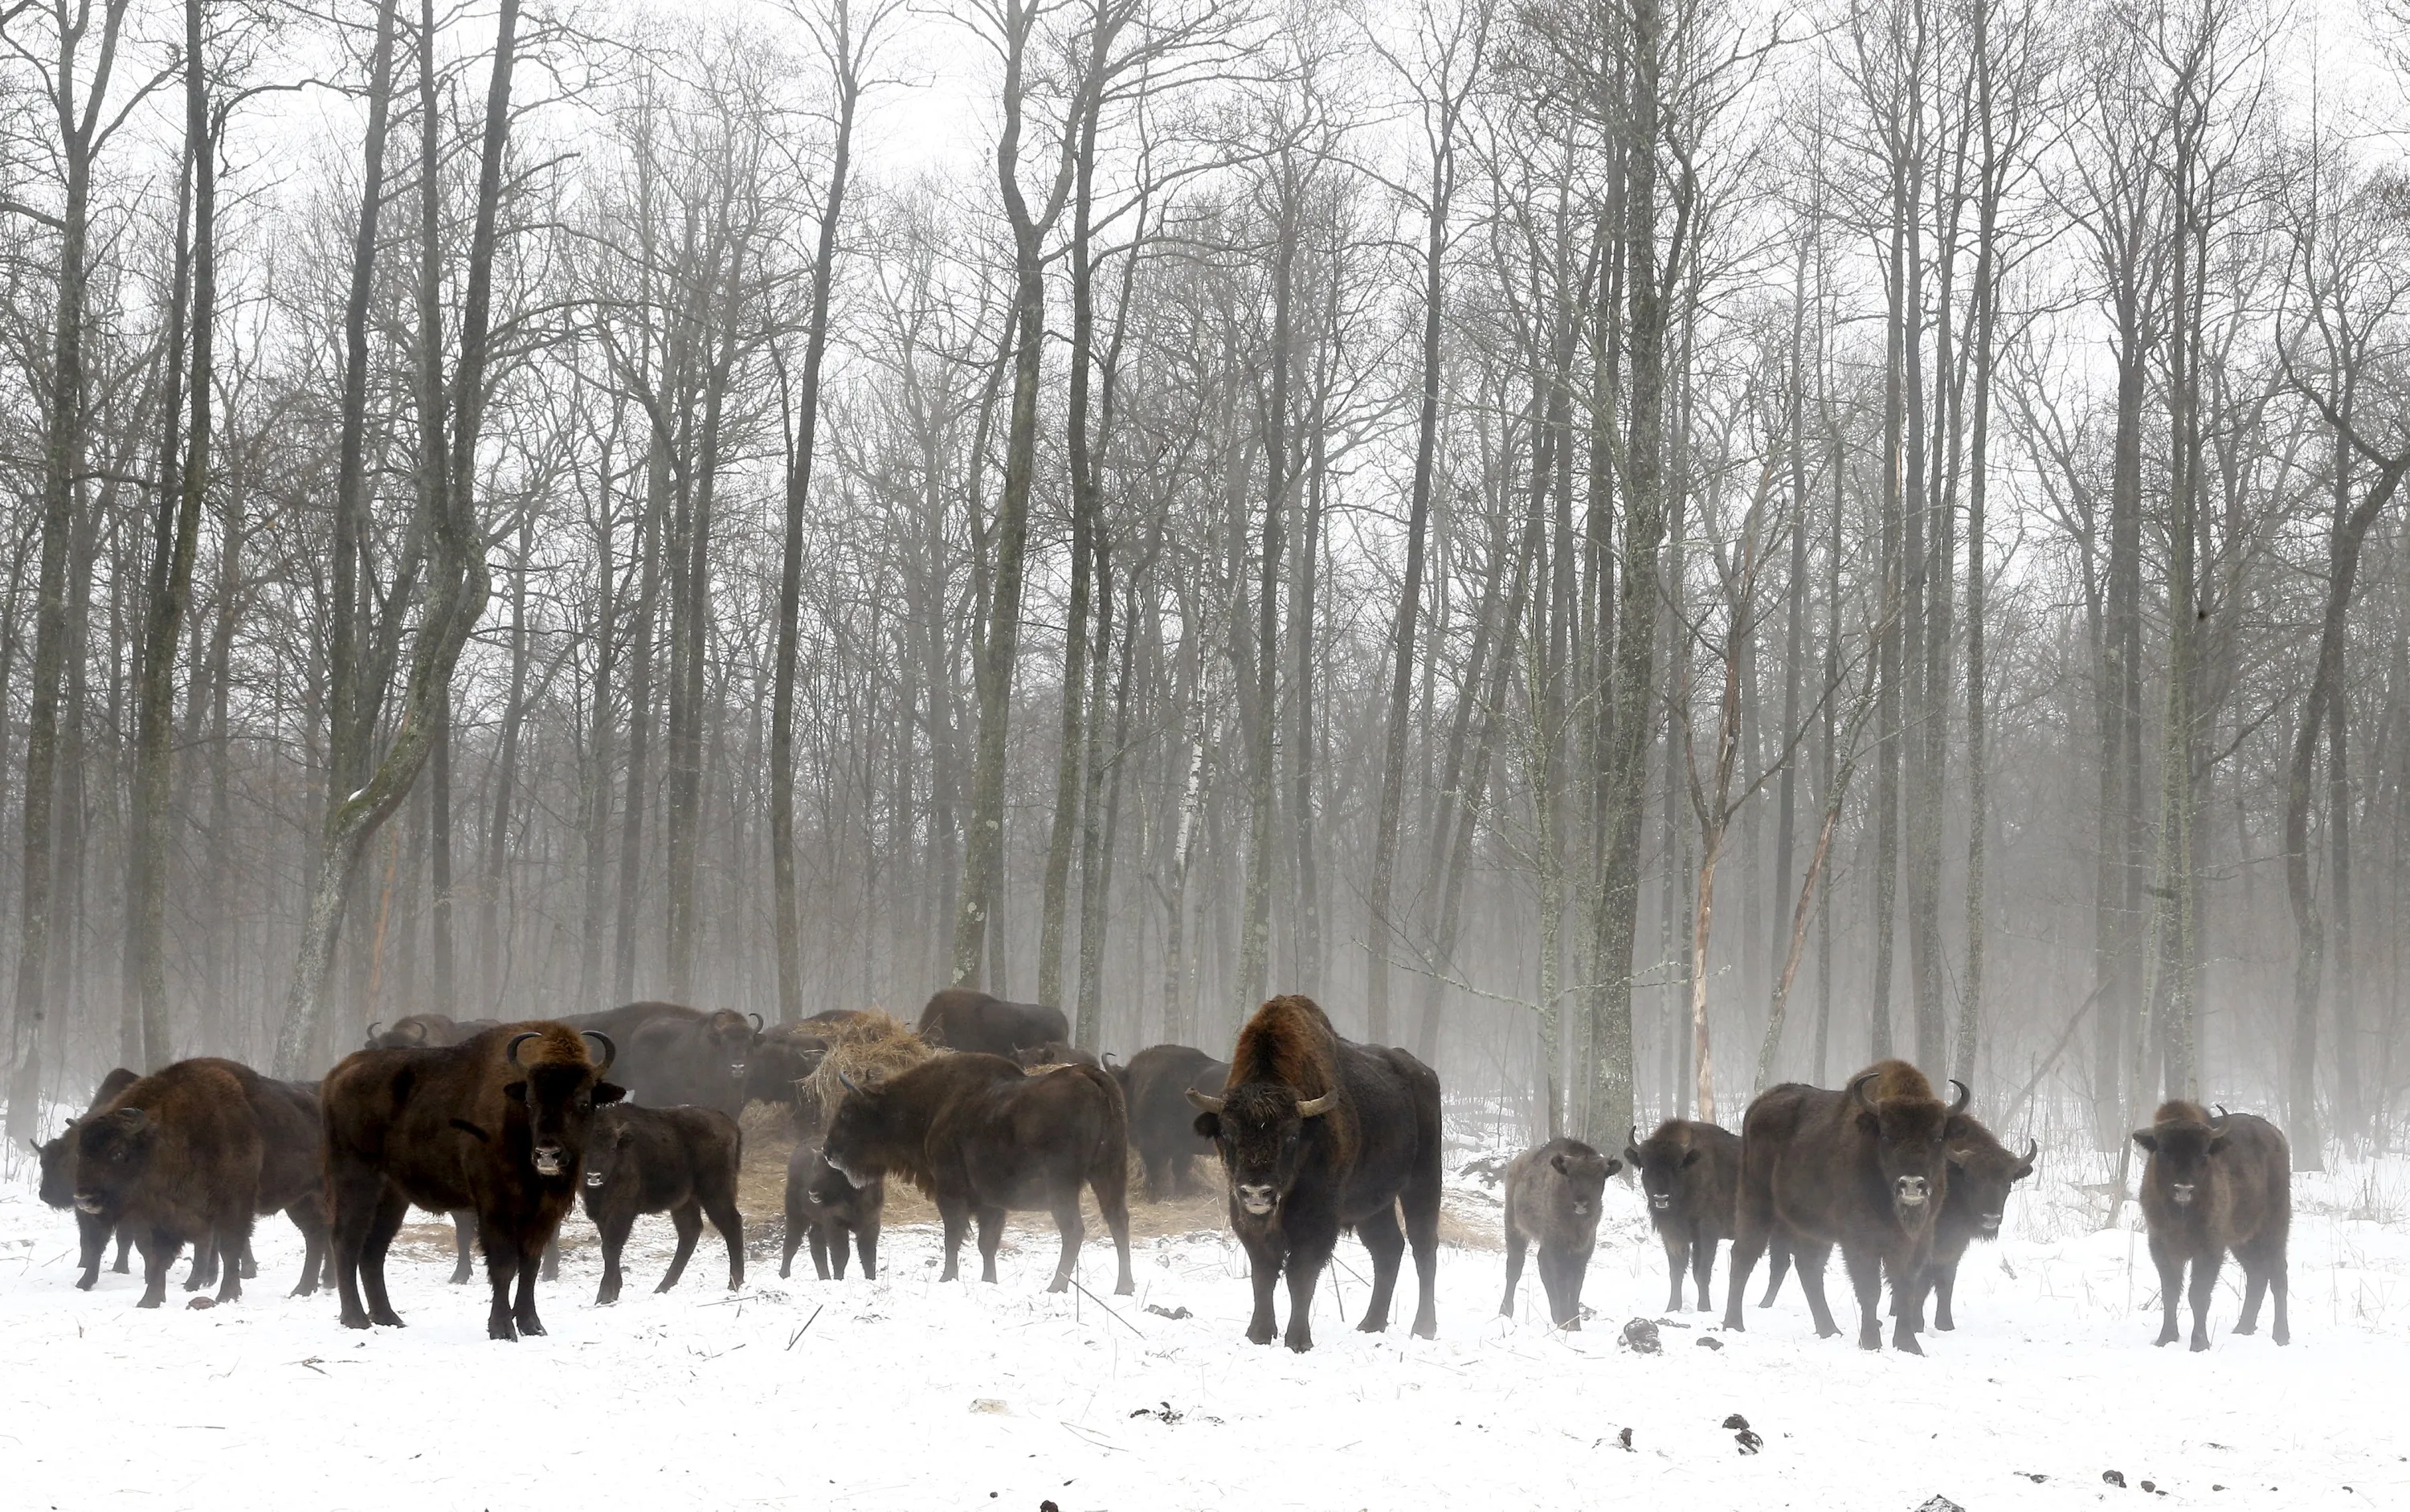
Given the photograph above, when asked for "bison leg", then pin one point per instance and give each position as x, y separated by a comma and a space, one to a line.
614, 1229
1575, 1270
990, 1235
1109, 1178
1945, 1285
205, 1265
1419, 1200
687, 1216
250, 1265
233, 1233
1387, 1243
124, 1242
159, 1251
721, 1209
464, 1243
1748, 1244
1306, 1260
501, 1273
865, 1239
91, 1240
2205, 1285
523, 1309
1069, 1224
1809, 1261
549, 1268
1865, 1278
1678, 1259
352, 1190
1702, 1271
2282, 1333
787, 1248
310, 1216
1264, 1259
821, 1236
1516, 1245
955, 1217
1778, 1265
2171, 1263
385, 1221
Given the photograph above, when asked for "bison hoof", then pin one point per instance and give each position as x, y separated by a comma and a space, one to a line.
530, 1329
85, 1284
150, 1301
459, 1278
2200, 1344
1373, 1325
1259, 1334
2244, 1328
2164, 1339
355, 1320
1907, 1344
1299, 1342
1426, 1328
1945, 1325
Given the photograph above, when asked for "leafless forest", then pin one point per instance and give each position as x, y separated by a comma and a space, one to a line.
1638, 548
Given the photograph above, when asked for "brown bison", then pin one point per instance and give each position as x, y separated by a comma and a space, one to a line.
670, 1055
497, 1123
783, 1055
190, 1155
1690, 1172
416, 1031
983, 1137
1982, 1172
967, 1019
1316, 1134
1155, 1083
1864, 1168
2214, 1183
681, 1161
1052, 1052
1552, 1201
824, 1207
57, 1157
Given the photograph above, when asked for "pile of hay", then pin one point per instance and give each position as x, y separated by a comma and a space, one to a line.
869, 1048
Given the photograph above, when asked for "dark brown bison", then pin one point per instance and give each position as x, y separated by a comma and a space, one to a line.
670, 1055
57, 1157
1316, 1134
2214, 1183
783, 1055
1982, 1172
967, 1019
1864, 1168
192, 1155
1155, 1083
983, 1137
681, 1161
1052, 1052
1690, 1172
1552, 1201
824, 1207
416, 1031
497, 1123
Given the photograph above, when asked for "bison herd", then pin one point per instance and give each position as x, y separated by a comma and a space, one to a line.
987, 1110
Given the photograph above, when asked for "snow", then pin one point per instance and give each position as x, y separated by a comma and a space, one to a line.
902, 1393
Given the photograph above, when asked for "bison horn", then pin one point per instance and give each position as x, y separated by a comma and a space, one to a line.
851, 1085
372, 1027
2033, 1148
1958, 1104
1206, 1101
1858, 1089
756, 1022
1317, 1106
511, 1051
610, 1051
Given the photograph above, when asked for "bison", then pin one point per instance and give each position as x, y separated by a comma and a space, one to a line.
825, 1207
672, 1055
416, 1031
57, 1157
1155, 1083
190, 1155
1316, 1134
497, 1123
2214, 1183
967, 1019
1982, 1171
1552, 1199
681, 1161
983, 1137
1864, 1168
1690, 1172
1052, 1052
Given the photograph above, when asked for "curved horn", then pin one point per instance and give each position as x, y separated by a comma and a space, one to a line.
2218, 1123
511, 1051
373, 1029
1858, 1089
1105, 1060
1634, 1138
1206, 1101
419, 1033
1317, 1106
851, 1085
1958, 1105
756, 1022
610, 1051
2033, 1148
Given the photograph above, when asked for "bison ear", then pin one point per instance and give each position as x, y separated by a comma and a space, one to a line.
1613, 1166
1557, 1161
130, 1119
1207, 1126
1956, 1126
2146, 1140
2021, 1173
2217, 1142
608, 1092
1958, 1156
1631, 1157
1690, 1158
516, 1091
1870, 1123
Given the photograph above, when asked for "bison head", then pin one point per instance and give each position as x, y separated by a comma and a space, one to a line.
732, 1035
857, 1132
1910, 1135
1259, 1128
1581, 1178
1981, 1176
606, 1151
559, 1095
58, 1168
1664, 1166
2180, 1150
112, 1149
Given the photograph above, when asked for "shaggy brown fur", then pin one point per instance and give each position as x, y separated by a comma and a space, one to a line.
57, 1156
1155, 1084
967, 1019
1690, 1170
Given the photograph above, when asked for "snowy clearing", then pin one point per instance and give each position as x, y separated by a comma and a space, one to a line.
902, 1393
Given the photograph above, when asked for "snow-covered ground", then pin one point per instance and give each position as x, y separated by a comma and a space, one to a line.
902, 1393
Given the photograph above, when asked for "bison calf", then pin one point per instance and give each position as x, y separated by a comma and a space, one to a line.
825, 1207
681, 1161
1690, 1172
2213, 1184
1552, 1199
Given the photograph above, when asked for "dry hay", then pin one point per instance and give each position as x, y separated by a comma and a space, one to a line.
869, 1049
